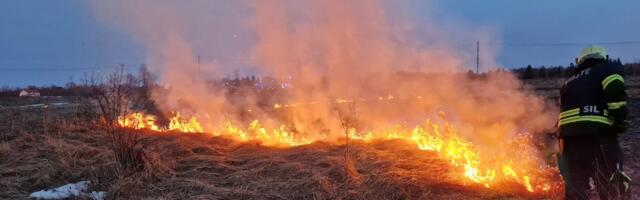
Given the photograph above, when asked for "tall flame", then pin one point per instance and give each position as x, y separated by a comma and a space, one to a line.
443, 139
461, 153
191, 125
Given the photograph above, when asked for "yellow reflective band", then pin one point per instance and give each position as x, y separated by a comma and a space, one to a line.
590, 118
610, 79
616, 105
568, 113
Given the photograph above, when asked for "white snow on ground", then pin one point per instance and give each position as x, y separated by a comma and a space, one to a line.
69, 190
98, 195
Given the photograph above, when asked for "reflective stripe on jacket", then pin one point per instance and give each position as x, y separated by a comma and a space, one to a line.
592, 100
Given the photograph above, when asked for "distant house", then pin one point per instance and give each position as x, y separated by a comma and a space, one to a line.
29, 93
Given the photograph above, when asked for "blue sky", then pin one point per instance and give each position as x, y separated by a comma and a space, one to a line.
553, 22
48, 42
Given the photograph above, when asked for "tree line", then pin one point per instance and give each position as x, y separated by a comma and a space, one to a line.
145, 79
529, 72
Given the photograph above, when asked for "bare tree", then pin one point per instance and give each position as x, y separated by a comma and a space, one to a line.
113, 97
348, 118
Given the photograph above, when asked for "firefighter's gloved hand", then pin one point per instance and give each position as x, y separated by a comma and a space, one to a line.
620, 127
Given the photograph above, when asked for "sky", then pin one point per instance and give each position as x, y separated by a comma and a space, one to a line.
54, 42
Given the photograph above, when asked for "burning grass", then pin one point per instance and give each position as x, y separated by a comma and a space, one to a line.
259, 162
188, 166
202, 166
515, 168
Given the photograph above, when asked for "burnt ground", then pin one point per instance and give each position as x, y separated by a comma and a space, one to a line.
195, 166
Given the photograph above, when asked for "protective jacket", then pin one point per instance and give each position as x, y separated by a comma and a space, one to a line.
593, 101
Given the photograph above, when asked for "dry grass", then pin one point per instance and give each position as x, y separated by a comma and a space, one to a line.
32, 162
128, 150
195, 166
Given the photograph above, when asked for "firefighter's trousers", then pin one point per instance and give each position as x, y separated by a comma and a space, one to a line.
595, 157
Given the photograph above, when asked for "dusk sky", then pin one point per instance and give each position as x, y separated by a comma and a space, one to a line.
53, 42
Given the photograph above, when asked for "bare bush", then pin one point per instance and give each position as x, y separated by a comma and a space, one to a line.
114, 98
111, 95
348, 120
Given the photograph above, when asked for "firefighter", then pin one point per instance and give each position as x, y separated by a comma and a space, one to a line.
593, 112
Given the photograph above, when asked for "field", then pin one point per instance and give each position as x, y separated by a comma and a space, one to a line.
68, 148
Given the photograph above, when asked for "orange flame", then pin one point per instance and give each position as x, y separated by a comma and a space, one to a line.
443, 139
191, 125
138, 121
460, 153
276, 137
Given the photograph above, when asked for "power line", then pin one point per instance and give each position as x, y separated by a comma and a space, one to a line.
563, 44
50, 69
65, 68
250, 60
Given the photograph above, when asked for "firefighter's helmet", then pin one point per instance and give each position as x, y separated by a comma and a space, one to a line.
592, 51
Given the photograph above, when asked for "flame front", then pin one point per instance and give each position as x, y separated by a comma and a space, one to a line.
443, 139
138, 121
191, 125
276, 137
461, 153
178, 123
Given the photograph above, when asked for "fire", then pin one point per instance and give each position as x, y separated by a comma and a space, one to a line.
443, 139
281, 136
460, 152
276, 137
178, 123
191, 125
138, 121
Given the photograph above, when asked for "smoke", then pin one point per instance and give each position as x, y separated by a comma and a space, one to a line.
359, 50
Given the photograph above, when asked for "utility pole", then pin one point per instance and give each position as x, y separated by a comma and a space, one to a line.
198, 60
477, 56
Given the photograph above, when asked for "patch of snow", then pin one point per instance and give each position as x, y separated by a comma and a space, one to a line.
98, 195
69, 190
65, 191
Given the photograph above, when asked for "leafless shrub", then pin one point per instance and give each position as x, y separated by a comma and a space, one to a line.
348, 119
113, 97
